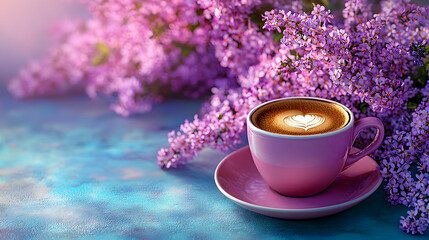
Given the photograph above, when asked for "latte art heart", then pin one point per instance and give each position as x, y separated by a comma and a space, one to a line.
305, 122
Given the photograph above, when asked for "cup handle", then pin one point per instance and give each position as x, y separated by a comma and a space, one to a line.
376, 142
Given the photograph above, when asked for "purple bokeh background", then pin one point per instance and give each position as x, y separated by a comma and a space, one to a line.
25, 27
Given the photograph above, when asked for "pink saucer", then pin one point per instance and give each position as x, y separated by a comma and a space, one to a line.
238, 179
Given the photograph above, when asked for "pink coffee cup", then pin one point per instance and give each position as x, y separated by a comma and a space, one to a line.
305, 165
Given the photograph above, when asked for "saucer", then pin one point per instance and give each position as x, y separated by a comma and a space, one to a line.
238, 179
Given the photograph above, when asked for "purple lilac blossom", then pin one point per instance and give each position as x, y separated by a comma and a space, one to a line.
253, 51
135, 55
362, 60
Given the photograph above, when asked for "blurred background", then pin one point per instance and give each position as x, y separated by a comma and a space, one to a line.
25, 27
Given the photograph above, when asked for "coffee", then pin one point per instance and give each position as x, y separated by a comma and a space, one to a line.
300, 117
304, 161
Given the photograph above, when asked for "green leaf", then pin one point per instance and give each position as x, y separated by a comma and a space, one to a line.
220, 116
257, 19
103, 48
194, 26
420, 76
97, 61
363, 107
138, 5
415, 101
200, 12
186, 49
103, 55
137, 65
412, 105
256, 15
158, 29
325, 2
277, 36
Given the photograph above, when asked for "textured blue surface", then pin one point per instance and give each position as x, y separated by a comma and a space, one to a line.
70, 168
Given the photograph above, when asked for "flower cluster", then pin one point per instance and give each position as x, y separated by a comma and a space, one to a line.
369, 62
419, 52
133, 54
405, 152
249, 52
366, 51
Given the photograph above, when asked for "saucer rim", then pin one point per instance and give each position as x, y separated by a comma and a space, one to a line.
286, 210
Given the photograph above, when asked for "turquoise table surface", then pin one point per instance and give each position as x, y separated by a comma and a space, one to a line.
71, 168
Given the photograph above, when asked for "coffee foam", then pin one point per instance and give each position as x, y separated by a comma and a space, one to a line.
300, 117
305, 122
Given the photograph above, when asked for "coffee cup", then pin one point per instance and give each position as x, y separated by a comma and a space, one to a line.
301, 144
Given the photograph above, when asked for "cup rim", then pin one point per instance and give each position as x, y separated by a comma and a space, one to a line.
320, 135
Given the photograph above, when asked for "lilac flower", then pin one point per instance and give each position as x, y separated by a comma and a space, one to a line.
365, 64
135, 55
253, 51
418, 52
